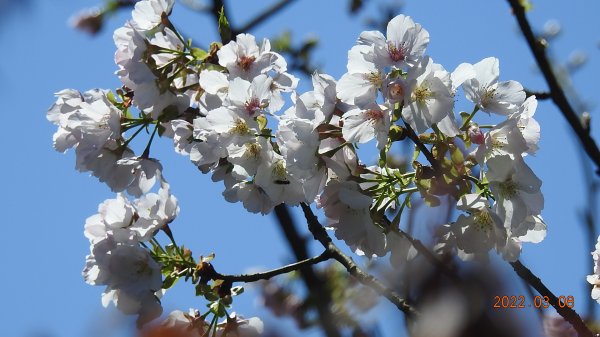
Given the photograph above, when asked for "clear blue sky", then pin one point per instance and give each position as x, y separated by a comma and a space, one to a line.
45, 201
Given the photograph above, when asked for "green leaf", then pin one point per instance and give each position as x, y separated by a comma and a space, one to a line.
456, 155
169, 281
211, 296
202, 289
527, 5
224, 28
161, 130
382, 158
171, 249
111, 97
262, 122
199, 54
283, 43
218, 308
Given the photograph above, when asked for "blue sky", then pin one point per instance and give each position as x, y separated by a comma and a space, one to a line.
45, 201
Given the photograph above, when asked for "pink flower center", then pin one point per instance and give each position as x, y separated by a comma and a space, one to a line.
396, 91
397, 53
252, 105
245, 62
374, 115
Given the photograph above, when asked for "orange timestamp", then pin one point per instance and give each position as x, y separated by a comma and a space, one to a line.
519, 302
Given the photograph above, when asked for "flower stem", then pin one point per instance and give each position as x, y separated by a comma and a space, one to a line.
465, 125
146, 152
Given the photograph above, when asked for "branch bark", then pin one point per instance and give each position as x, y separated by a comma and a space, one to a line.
247, 278
410, 133
363, 277
539, 95
260, 18
557, 94
567, 313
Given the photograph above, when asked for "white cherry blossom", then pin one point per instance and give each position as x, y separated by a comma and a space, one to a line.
274, 178
250, 98
490, 95
130, 275
428, 95
404, 45
361, 126
503, 139
238, 326
359, 86
594, 279
516, 189
147, 14
479, 232
530, 128
348, 215
243, 58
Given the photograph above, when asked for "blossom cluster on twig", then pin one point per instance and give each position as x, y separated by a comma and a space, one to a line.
227, 109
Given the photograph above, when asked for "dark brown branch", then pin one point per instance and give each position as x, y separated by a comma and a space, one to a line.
316, 286
529, 289
262, 17
539, 95
558, 96
321, 235
410, 133
567, 313
272, 273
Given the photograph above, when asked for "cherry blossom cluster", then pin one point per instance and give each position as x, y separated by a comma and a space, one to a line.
192, 324
219, 107
95, 124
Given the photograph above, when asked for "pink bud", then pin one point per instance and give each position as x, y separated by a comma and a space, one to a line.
476, 135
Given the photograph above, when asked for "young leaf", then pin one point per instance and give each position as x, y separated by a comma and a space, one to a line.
224, 28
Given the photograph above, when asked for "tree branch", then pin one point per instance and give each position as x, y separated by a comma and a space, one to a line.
539, 95
567, 313
262, 17
247, 278
363, 277
557, 94
316, 286
410, 133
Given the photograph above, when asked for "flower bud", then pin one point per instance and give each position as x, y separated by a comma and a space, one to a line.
476, 135
397, 133
395, 91
89, 21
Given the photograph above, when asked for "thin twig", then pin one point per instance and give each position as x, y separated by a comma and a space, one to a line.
363, 277
558, 96
415, 138
539, 95
274, 272
529, 289
567, 313
262, 16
